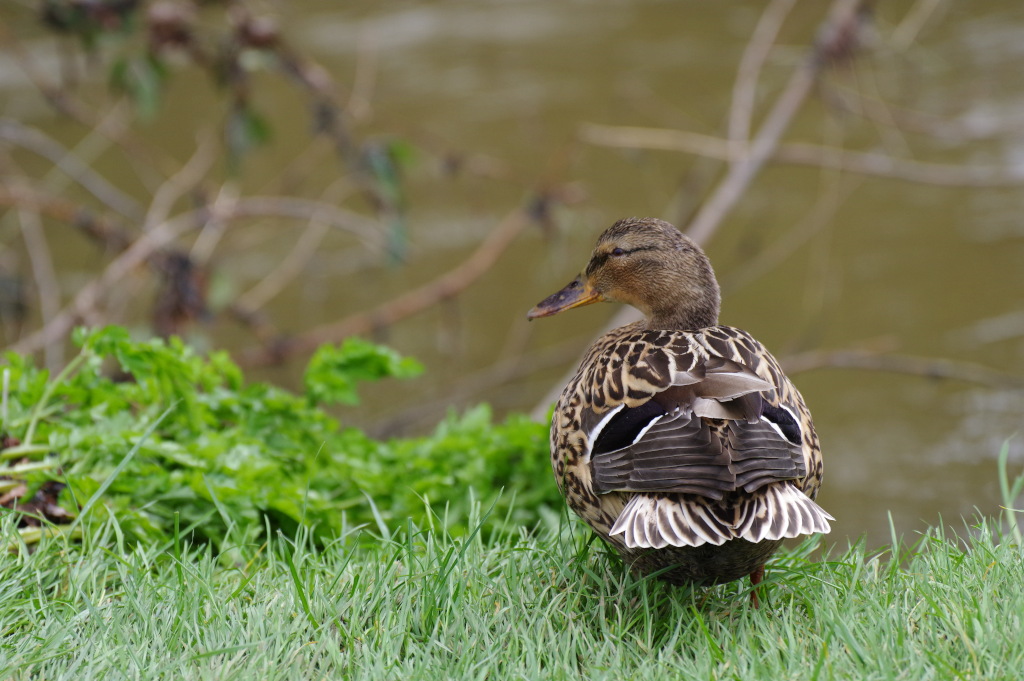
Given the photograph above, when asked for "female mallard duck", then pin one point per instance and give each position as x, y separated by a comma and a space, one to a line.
681, 442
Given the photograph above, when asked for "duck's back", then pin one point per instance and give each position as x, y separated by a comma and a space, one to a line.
691, 443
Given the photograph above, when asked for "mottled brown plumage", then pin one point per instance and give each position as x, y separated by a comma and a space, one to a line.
679, 441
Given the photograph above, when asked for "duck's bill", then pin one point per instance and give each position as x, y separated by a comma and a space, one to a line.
577, 293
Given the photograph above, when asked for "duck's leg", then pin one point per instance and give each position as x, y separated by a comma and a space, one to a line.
755, 579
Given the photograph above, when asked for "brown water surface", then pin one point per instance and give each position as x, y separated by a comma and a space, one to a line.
911, 268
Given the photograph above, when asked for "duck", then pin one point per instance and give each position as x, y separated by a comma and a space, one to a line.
678, 440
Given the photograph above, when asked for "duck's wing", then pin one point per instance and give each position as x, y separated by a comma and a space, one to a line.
689, 421
695, 423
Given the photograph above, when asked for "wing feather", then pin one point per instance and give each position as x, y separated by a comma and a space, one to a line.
777, 512
694, 427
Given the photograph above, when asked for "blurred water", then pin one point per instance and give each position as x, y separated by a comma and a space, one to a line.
915, 269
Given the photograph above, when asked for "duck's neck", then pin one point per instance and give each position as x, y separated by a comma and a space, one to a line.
689, 313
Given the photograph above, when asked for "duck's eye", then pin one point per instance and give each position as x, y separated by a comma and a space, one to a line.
617, 252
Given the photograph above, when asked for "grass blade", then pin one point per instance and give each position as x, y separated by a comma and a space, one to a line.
120, 467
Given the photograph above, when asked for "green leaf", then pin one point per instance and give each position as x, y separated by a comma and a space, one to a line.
246, 130
142, 78
231, 459
334, 371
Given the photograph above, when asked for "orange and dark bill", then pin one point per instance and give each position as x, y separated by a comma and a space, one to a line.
576, 293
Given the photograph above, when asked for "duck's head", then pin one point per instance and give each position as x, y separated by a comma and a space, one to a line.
651, 265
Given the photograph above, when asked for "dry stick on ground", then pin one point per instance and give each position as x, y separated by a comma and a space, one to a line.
409, 303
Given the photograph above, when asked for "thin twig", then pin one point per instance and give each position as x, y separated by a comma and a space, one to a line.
360, 99
662, 139
213, 228
45, 277
962, 129
102, 229
991, 329
904, 35
309, 209
835, 33
405, 305
798, 153
63, 100
87, 301
883, 165
60, 97
174, 187
843, 16
819, 216
293, 264
35, 141
902, 364
744, 91
90, 296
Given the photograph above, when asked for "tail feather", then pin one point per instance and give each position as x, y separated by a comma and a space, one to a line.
778, 511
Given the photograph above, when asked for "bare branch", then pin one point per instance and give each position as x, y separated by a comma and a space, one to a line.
904, 35
89, 298
180, 182
992, 329
842, 23
744, 91
360, 100
35, 141
883, 165
150, 243
290, 266
99, 228
45, 276
747, 160
836, 37
968, 127
840, 28
773, 254
59, 97
409, 303
663, 139
798, 153
902, 364
310, 209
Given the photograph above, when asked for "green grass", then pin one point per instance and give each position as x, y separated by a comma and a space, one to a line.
425, 605
207, 533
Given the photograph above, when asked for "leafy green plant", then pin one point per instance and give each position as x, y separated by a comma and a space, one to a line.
334, 371
230, 459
